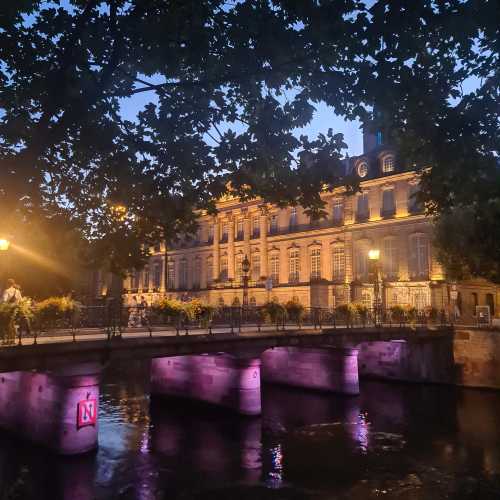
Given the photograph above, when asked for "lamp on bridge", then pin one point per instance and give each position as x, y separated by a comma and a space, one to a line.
245, 268
4, 244
374, 258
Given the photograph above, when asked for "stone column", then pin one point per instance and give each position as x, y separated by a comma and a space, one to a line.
163, 285
263, 244
57, 409
230, 249
216, 251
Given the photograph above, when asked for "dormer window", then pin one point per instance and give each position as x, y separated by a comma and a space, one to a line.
388, 164
362, 169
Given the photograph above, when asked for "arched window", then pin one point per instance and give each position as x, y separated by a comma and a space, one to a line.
390, 258
253, 302
419, 256
388, 164
338, 263
316, 264
294, 266
275, 268
236, 302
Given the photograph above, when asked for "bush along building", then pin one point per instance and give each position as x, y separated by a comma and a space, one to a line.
321, 263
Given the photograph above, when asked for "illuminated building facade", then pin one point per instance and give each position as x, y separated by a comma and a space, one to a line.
321, 263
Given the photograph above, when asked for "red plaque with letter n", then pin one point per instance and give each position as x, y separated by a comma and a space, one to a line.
86, 413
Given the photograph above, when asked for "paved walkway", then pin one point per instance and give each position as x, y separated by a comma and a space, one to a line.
92, 334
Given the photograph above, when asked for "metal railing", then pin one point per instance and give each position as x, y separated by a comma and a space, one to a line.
113, 320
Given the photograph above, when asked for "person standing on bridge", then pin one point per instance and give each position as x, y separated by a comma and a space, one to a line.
12, 294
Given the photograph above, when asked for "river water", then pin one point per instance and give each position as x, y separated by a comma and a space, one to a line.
394, 441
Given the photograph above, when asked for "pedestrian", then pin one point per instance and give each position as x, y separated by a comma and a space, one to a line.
12, 294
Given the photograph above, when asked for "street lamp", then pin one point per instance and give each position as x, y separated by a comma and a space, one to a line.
374, 258
245, 268
4, 244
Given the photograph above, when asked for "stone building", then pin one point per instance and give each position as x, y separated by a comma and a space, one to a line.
321, 263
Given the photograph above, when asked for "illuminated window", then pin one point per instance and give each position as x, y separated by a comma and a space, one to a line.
338, 262
255, 265
419, 256
362, 169
197, 273
294, 266
210, 270
239, 267
388, 164
183, 274
388, 203
390, 258
239, 229
315, 263
361, 262
275, 268
379, 138
223, 276
171, 276
255, 227
363, 207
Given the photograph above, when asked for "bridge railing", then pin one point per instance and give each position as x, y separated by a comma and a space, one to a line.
115, 319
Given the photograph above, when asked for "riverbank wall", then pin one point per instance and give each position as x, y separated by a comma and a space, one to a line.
469, 358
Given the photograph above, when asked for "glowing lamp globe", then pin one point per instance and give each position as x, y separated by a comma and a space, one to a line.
374, 254
4, 244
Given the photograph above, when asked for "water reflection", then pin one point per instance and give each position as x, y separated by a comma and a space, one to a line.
396, 441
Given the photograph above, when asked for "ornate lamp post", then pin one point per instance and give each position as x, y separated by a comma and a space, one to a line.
374, 258
245, 268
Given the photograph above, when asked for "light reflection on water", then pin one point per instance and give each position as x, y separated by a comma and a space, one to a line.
396, 441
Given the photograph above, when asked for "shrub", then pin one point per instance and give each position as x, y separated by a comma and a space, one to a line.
362, 312
53, 311
168, 308
273, 312
397, 313
295, 310
345, 312
192, 309
7, 317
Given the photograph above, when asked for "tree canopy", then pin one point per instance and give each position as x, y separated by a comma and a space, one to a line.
226, 84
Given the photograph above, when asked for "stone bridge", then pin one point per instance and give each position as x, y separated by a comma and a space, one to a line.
49, 393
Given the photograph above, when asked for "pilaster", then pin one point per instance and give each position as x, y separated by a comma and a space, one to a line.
216, 250
263, 243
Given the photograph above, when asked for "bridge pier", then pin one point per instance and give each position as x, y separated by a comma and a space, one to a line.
220, 379
57, 409
326, 368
